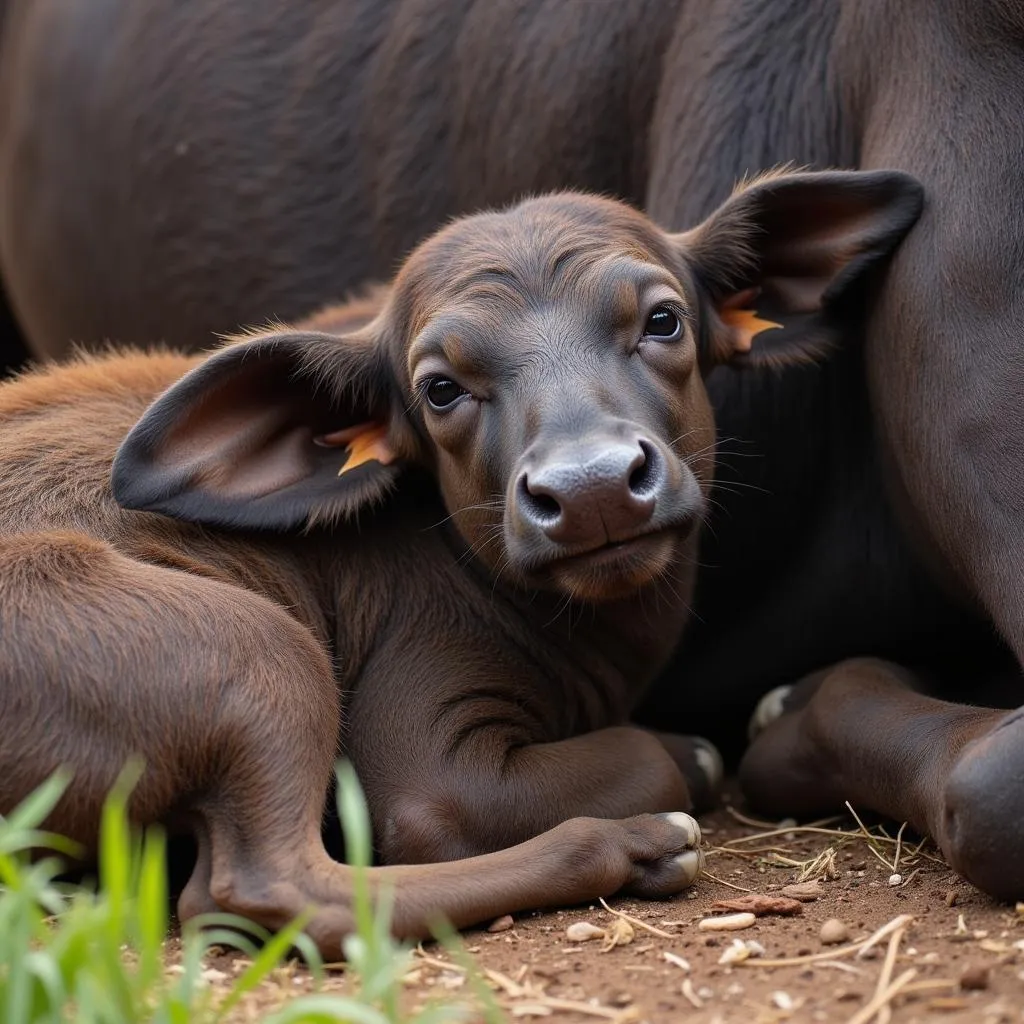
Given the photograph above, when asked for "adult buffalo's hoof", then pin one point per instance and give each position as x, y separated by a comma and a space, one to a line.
770, 707
712, 767
982, 831
784, 700
701, 765
785, 772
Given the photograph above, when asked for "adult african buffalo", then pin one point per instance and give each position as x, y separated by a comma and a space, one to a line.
167, 170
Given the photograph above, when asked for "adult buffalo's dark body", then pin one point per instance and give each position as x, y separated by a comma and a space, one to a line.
180, 169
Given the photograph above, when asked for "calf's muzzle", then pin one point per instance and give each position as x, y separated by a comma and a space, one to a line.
591, 494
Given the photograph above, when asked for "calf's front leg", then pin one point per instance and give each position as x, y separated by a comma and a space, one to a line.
456, 766
859, 731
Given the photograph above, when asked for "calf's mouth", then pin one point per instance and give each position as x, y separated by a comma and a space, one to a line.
616, 568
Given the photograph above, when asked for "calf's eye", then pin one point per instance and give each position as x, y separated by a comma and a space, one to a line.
663, 324
442, 392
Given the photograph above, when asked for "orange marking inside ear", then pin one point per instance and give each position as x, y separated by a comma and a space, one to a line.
747, 325
366, 442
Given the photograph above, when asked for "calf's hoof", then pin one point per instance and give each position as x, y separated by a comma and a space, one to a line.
666, 854
982, 830
649, 855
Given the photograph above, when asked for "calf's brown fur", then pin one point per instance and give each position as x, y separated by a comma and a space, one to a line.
470, 523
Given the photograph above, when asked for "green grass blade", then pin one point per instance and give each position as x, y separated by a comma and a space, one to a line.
355, 823
33, 810
151, 914
18, 840
355, 817
324, 1009
449, 938
272, 953
231, 940
442, 1014
204, 923
119, 854
52, 994
19, 980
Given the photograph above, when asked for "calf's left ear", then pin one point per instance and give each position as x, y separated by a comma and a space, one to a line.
777, 260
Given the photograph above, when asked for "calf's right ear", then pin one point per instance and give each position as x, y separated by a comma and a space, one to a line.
276, 432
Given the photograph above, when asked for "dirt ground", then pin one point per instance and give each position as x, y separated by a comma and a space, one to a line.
945, 952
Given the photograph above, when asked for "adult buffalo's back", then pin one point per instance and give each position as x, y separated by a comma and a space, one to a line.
168, 170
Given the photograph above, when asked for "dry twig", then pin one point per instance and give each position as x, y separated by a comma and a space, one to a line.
637, 923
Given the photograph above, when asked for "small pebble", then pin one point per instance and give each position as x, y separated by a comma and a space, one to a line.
896, 879
834, 932
583, 931
735, 953
782, 1001
501, 924
728, 923
740, 951
621, 999
974, 979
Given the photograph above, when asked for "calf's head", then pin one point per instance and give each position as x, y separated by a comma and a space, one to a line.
544, 363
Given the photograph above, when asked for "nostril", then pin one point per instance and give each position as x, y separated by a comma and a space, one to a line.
540, 506
546, 505
643, 480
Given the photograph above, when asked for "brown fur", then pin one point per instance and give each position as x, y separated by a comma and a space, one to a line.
487, 650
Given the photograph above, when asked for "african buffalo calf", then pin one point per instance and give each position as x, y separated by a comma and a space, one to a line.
469, 523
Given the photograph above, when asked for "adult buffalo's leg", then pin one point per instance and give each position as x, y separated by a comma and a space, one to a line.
945, 368
860, 732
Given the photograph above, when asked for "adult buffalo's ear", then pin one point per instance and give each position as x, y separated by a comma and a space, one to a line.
778, 262
274, 432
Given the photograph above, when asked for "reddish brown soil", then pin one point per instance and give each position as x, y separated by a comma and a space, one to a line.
966, 952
